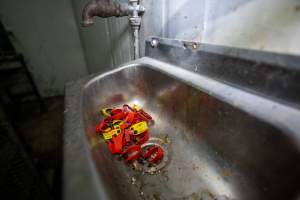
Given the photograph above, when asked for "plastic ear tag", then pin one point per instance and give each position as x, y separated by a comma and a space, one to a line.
139, 128
136, 107
106, 112
114, 132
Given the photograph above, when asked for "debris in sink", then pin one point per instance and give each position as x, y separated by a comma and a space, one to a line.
126, 132
167, 139
136, 166
133, 181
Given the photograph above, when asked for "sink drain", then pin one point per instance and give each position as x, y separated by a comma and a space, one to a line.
152, 168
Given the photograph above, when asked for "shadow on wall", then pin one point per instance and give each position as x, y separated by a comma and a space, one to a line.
45, 32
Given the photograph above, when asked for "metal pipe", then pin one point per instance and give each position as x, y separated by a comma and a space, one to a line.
136, 44
104, 9
135, 21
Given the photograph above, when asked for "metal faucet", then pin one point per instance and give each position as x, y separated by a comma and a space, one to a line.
110, 8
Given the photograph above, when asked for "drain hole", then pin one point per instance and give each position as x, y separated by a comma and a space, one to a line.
156, 156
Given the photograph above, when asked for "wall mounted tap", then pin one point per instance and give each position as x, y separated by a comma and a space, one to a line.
104, 9
110, 8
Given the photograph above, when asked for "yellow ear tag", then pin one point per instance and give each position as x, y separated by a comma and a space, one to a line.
139, 128
114, 132
106, 112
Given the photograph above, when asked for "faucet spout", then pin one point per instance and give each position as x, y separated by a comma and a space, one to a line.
104, 9
110, 8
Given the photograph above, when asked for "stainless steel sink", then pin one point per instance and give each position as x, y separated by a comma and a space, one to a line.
223, 142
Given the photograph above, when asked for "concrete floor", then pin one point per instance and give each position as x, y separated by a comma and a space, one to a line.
42, 132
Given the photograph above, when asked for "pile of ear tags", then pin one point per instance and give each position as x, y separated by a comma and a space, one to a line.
126, 133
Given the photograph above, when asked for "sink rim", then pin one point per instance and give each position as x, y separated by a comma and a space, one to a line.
255, 105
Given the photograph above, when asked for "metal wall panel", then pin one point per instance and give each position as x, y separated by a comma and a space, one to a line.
178, 19
271, 25
58, 49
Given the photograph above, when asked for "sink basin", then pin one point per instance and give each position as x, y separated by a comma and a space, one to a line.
223, 142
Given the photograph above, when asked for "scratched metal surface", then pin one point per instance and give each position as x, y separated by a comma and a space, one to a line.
233, 136
224, 143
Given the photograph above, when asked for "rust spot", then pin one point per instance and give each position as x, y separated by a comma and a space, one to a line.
91, 131
115, 99
194, 45
201, 135
297, 8
94, 142
195, 167
225, 173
